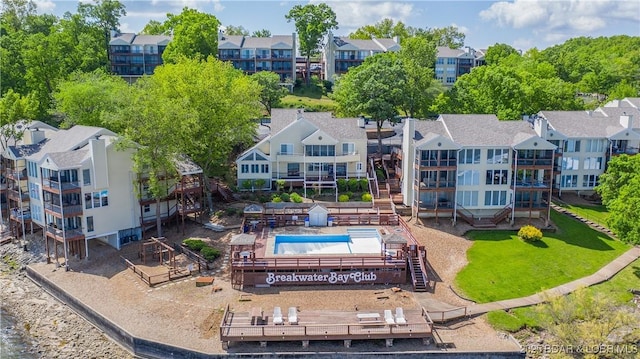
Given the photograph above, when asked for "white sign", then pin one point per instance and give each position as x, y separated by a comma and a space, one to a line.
331, 277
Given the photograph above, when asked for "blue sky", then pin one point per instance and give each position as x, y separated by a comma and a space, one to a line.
522, 24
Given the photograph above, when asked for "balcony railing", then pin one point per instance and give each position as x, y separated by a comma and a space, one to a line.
628, 151
61, 186
17, 174
13, 194
534, 161
67, 233
434, 184
438, 163
532, 184
67, 209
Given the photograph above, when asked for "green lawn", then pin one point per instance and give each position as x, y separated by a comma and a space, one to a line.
594, 213
308, 97
501, 266
617, 289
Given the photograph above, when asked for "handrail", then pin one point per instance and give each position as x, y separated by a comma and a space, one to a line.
374, 176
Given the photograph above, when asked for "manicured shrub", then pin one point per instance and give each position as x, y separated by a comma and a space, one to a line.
195, 245
296, 198
260, 182
366, 197
285, 197
219, 213
280, 184
247, 184
364, 185
276, 199
353, 184
342, 185
230, 211
210, 253
380, 173
530, 233
343, 198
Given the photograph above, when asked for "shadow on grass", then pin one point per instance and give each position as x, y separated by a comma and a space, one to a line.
538, 244
311, 91
636, 271
576, 233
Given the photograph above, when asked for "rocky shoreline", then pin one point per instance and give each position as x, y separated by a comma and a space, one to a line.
52, 329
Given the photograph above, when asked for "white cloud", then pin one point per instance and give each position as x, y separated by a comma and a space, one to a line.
462, 29
217, 6
354, 14
44, 6
577, 16
147, 15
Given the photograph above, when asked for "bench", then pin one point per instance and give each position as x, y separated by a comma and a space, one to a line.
368, 318
256, 316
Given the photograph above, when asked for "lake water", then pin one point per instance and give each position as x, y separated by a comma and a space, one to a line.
12, 344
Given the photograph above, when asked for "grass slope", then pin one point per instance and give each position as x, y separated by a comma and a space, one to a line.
310, 98
617, 289
501, 266
594, 213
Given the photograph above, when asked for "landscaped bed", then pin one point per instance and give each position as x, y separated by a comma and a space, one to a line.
502, 266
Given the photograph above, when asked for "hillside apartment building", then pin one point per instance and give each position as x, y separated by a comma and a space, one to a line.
132, 56
453, 63
77, 186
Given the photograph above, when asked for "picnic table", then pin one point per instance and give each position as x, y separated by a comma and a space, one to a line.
368, 317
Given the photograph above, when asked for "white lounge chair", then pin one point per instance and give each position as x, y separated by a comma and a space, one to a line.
400, 319
388, 317
293, 315
277, 316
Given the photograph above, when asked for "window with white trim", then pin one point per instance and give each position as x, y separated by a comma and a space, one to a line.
497, 155
570, 163
592, 163
469, 156
467, 198
244, 168
348, 148
572, 146
496, 177
86, 177
568, 181
469, 178
589, 180
495, 198
96, 199
286, 148
358, 166
598, 145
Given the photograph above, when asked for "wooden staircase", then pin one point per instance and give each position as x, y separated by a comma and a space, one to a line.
418, 274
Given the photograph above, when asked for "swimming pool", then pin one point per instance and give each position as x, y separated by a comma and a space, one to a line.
355, 241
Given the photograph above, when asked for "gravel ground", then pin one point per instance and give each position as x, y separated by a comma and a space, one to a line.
181, 314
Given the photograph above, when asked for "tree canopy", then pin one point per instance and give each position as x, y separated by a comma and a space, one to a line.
236, 30
272, 91
619, 187
375, 88
513, 86
421, 89
312, 22
195, 36
448, 36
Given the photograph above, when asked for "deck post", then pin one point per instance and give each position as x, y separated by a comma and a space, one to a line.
389, 342
305, 344
347, 343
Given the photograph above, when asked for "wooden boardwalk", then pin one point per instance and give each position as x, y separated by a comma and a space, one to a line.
322, 325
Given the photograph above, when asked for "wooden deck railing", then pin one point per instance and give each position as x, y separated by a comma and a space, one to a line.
319, 262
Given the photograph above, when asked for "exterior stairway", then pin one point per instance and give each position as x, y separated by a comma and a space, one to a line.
418, 274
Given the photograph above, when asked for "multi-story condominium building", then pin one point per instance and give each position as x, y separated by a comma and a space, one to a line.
476, 167
132, 56
341, 53
587, 140
252, 54
453, 63
310, 150
77, 186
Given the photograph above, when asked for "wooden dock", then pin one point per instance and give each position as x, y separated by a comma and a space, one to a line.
322, 325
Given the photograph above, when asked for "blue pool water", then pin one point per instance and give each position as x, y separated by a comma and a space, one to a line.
355, 241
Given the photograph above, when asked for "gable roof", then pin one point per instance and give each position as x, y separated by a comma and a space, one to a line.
484, 130
602, 123
339, 128
345, 43
67, 140
66, 160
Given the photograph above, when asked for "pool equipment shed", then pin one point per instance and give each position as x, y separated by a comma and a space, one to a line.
318, 216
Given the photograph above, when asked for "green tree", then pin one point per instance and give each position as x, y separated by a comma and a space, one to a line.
418, 58
154, 27
497, 52
261, 33
383, 29
156, 134
14, 109
272, 91
195, 36
105, 15
236, 30
448, 36
224, 102
312, 22
623, 89
620, 191
375, 88
90, 98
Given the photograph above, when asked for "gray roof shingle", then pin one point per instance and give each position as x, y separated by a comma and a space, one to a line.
485, 130
338, 128
581, 124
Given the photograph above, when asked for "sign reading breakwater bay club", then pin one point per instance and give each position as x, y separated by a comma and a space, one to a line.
315, 278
